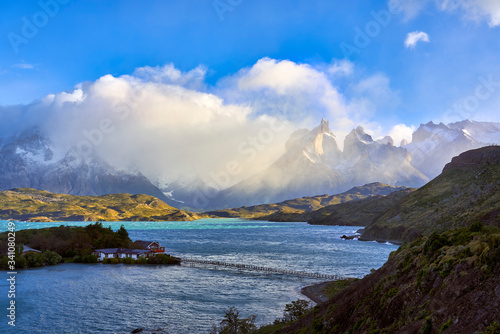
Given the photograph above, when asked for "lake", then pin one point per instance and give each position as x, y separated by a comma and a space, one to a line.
96, 298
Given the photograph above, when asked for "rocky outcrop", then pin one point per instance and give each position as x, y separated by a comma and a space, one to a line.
474, 159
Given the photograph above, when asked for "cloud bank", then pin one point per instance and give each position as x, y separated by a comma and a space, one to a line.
167, 123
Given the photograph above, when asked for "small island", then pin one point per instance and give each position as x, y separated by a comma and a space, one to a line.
74, 244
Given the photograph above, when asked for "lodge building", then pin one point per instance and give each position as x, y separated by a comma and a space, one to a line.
148, 249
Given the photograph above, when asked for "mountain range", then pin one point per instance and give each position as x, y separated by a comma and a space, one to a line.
312, 164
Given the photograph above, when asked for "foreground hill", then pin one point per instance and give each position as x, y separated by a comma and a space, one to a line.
447, 280
444, 283
35, 205
468, 191
296, 209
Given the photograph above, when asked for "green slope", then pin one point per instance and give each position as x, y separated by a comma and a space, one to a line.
446, 283
467, 191
35, 205
446, 280
356, 213
294, 209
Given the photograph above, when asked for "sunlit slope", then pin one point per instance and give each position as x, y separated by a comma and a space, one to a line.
35, 205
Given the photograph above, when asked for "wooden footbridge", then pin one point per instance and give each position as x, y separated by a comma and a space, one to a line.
193, 262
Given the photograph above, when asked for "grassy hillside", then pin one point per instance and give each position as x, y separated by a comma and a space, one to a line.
35, 205
468, 191
356, 213
293, 210
443, 283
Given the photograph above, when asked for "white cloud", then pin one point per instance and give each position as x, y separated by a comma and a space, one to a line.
400, 132
476, 10
341, 68
168, 74
299, 92
414, 37
410, 8
25, 66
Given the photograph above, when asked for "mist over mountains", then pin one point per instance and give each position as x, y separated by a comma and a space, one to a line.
312, 164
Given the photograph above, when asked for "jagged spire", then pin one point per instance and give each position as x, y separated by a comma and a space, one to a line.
324, 126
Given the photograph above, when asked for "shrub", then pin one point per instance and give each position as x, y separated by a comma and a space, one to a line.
105, 261
77, 258
434, 243
161, 259
476, 227
34, 259
128, 260
91, 258
114, 261
427, 328
21, 261
51, 258
142, 260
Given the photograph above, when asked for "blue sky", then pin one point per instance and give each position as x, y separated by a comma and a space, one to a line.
86, 40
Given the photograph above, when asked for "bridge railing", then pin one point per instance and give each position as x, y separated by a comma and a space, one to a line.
263, 269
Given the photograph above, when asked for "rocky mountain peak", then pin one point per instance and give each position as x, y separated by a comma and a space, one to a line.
357, 137
324, 126
428, 130
387, 140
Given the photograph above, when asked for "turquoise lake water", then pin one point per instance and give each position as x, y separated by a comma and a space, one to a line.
96, 298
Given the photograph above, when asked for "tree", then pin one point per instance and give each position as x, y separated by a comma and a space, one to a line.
233, 324
296, 309
123, 236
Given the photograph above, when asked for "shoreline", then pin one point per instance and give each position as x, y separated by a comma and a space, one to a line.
315, 292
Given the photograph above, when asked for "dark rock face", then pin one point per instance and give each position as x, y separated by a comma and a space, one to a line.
475, 158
